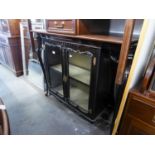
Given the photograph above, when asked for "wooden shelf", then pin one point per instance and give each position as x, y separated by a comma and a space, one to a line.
76, 73
79, 74
101, 38
79, 97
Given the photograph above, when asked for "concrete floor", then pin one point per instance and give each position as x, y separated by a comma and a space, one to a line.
30, 112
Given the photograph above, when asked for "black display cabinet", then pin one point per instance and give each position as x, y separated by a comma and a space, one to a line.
80, 74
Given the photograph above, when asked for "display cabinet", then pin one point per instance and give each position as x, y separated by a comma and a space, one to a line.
84, 61
79, 74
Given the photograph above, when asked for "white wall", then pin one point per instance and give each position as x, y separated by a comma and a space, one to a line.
117, 26
145, 53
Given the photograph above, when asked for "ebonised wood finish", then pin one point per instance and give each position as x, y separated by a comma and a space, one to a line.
102, 71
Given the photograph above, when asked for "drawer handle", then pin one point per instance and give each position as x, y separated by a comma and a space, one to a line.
59, 26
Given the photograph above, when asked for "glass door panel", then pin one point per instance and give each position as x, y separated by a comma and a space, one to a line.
54, 66
79, 76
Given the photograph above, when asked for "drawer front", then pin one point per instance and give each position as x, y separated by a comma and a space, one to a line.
142, 110
62, 26
133, 126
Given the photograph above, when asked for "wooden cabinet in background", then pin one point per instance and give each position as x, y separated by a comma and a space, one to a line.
10, 48
139, 114
10, 27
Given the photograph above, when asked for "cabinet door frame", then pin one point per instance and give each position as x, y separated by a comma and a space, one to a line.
49, 46
95, 52
92, 86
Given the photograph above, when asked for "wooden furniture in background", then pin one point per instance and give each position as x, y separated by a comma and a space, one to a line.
149, 80
128, 30
10, 48
4, 121
139, 114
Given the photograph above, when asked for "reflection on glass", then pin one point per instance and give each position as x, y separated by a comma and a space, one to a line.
79, 74
54, 59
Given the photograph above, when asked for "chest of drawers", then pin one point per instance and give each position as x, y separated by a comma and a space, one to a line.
139, 115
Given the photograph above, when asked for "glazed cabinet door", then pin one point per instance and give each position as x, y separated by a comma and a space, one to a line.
53, 61
79, 76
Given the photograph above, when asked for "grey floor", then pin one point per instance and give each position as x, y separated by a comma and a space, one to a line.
35, 74
30, 112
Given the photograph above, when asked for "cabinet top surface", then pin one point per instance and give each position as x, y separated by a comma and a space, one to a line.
101, 38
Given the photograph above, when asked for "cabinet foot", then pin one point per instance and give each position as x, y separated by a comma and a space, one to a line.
47, 93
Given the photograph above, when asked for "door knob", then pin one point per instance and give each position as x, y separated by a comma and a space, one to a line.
53, 52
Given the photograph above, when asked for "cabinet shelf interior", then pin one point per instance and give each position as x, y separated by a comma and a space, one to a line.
76, 73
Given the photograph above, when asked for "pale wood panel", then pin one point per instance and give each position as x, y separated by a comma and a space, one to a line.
130, 78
